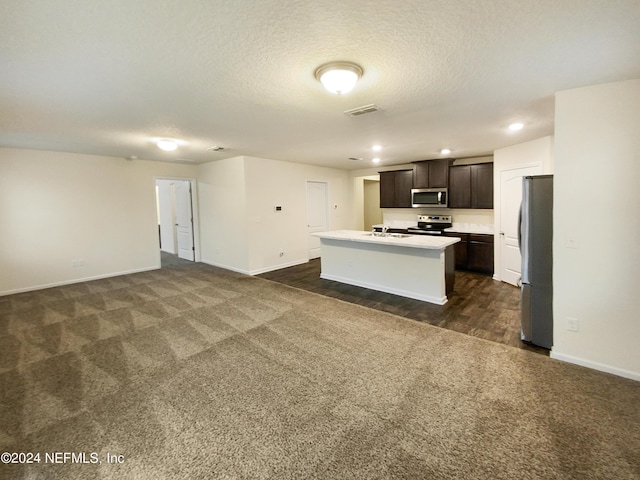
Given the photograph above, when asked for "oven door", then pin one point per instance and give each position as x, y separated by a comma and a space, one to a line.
421, 231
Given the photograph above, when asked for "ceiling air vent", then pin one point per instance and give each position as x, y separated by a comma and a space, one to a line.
354, 112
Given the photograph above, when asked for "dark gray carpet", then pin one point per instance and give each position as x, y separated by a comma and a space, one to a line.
196, 372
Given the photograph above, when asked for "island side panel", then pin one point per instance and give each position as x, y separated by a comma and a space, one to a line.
449, 269
417, 273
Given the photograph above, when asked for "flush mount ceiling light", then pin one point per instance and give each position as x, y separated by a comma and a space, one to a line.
339, 77
375, 160
445, 151
376, 148
514, 127
167, 145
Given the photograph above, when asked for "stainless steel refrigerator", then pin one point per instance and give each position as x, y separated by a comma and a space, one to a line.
536, 237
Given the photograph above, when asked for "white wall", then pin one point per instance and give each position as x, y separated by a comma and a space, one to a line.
240, 229
597, 227
223, 209
534, 152
59, 208
528, 154
273, 182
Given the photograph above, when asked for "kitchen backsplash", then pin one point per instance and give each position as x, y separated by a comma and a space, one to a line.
410, 216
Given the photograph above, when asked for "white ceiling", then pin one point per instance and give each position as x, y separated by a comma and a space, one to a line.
104, 77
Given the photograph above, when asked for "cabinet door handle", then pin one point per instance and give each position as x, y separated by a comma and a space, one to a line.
502, 233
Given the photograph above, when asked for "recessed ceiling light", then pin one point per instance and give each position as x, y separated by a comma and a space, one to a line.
375, 160
514, 127
339, 77
167, 145
376, 148
445, 151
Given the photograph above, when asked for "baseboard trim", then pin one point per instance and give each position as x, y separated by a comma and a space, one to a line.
226, 267
595, 365
257, 271
383, 288
76, 280
277, 267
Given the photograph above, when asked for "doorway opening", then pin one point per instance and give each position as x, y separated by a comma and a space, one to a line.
367, 202
371, 203
177, 228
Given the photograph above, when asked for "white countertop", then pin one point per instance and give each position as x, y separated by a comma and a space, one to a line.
412, 241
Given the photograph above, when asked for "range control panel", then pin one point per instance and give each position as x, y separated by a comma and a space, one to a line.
434, 218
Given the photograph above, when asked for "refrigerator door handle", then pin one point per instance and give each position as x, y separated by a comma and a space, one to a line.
520, 229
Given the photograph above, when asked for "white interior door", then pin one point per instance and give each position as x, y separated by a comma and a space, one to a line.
510, 198
316, 214
184, 220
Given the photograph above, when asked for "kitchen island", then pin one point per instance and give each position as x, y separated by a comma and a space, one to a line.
413, 266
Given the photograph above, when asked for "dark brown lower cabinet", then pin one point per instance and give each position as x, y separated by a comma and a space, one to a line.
480, 253
460, 250
474, 252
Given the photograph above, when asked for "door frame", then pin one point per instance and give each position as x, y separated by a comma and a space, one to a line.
194, 212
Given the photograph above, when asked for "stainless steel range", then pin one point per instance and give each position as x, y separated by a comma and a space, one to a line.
431, 225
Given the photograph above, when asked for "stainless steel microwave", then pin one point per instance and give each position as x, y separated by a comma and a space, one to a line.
429, 197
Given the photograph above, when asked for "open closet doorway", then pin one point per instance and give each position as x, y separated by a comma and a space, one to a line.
176, 214
372, 212
367, 202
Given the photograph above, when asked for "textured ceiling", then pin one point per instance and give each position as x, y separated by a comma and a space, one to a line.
106, 77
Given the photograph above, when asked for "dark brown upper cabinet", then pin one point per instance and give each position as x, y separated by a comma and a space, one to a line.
482, 185
395, 188
460, 186
471, 186
431, 173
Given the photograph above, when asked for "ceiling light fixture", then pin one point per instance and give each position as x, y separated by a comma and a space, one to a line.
167, 145
514, 127
339, 77
375, 160
376, 148
445, 151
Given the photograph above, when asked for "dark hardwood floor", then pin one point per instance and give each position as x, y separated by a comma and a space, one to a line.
478, 306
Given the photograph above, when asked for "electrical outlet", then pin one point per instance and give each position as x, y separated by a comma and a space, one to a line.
573, 325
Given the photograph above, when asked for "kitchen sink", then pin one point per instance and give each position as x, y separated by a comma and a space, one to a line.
392, 235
